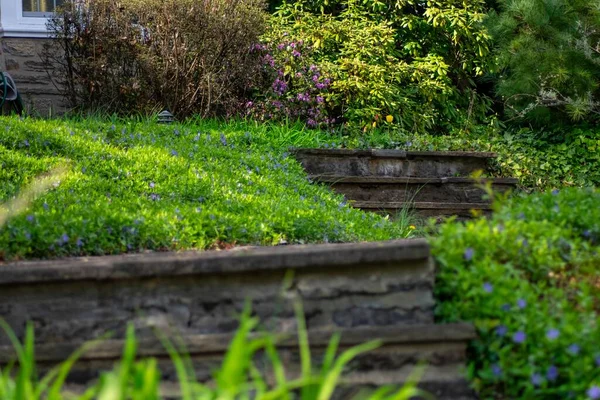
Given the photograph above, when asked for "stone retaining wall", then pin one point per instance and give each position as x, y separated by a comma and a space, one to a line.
341, 286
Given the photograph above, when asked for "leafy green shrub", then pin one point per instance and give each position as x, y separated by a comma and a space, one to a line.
529, 280
413, 61
549, 59
190, 56
137, 185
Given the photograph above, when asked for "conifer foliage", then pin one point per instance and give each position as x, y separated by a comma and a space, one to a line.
549, 59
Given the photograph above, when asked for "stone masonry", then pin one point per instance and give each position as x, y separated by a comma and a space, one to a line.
362, 290
21, 58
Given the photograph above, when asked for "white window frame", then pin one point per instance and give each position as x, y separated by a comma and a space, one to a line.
14, 24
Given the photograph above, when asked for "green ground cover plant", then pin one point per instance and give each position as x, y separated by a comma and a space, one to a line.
529, 279
135, 185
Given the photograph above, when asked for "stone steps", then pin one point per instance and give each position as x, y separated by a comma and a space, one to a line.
426, 190
398, 163
435, 184
365, 291
440, 347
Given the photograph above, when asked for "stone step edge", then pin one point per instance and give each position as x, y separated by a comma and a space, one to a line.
378, 205
408, 180
239, 260
401, 154
218, 343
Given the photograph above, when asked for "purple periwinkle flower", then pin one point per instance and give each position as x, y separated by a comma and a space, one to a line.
320, 99
505, 307
521, 303
501, 330
320, 86
30, 218
151, 184
315, 78
573, 349
311, 123
519, 337
594, 392
496, 370
468, 254
553, 334
79, 243
488, 287
26, 143
64, 238
45, 205
597, 361
552, 373
555, 192
536, 379
223, 139
296, 53
174, 153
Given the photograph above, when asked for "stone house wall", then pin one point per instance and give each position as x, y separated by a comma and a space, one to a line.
21, 58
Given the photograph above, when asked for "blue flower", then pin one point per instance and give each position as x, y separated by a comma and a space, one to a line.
505, 307
597, 360
151, 184
573, 349
555, 192
552, 334
594, 392
536, 379
174, 153
501, 330
521, 303
496, 370
223, 139
45, 205
552, 373
488, 288
79, 243
468, 254
30, 218
64, 239
519, 337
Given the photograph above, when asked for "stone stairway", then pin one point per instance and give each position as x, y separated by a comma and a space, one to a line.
435, 184
365, 291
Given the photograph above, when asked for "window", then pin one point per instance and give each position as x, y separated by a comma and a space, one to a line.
26, 18
39, 8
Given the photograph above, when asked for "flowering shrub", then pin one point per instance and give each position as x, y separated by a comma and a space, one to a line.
298, 88
529, 279
414, 63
